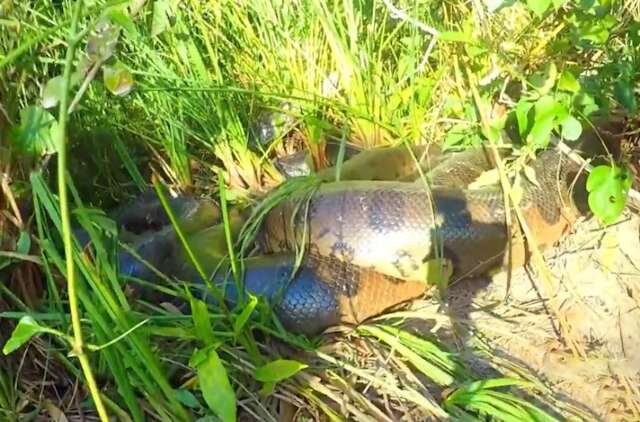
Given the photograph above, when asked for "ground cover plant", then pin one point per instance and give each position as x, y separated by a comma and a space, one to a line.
100, 101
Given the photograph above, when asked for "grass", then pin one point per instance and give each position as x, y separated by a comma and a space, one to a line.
204, 74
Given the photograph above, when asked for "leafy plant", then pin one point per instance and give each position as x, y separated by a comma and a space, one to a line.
608, 188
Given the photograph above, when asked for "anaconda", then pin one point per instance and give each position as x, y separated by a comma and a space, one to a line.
371, 237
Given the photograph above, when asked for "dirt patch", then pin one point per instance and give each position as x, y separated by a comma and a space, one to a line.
583, 347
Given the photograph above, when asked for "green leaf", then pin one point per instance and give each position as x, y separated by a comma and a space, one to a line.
623, 93
316, 127
23, 245
278, 370
27, 327
568, 82
538, 6
587, 102
267, 389
522, 111
571, 128
546, 111
122, 19
608, 187
160, 19
242, 319
187, 398
545, 80
455, 36
118, 79
53, 92
201, 321
214, 383
33, 134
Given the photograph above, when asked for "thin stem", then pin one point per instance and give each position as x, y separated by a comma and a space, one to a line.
61, 140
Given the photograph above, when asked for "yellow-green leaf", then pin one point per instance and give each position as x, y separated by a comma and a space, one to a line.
214, 383
53, 92
608, 187
278, 370
568, 82
201, 321
33, 134
118, 79
27, 327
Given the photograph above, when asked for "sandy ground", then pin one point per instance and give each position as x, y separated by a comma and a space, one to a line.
582, 347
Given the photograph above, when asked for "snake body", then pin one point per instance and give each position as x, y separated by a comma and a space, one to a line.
371, 238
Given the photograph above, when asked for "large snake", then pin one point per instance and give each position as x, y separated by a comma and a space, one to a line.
374, 239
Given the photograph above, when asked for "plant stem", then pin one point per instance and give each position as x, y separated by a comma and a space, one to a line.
61, 138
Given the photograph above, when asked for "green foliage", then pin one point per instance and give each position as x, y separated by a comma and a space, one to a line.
117, 79
608, 188
485, 398
34, 133
214, 383
278, 370
27, 327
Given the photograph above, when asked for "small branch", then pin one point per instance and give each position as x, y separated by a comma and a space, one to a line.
85, 85
61, 140
536, 256
403, 16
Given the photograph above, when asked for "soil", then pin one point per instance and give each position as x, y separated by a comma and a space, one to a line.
582, 347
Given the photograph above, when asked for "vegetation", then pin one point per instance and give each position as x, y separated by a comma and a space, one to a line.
98, 99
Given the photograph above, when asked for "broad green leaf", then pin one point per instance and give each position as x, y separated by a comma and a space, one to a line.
596, 31
541, 131
539, 6
623, 92
608, 187
201, 321
53, 92
587, 102
278, 370
187, 398
546, 110
160, 20
24, 243
242, 319
27, 327
522, 111
545, 80
568, 82
33, 134
571, 128
214, 383
118, 79
120, 17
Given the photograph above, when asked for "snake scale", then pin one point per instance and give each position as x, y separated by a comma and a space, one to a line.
370, 239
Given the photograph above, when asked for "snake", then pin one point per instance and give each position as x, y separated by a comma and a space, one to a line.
370, 235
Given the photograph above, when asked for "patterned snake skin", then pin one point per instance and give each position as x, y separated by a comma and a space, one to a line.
369, 243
